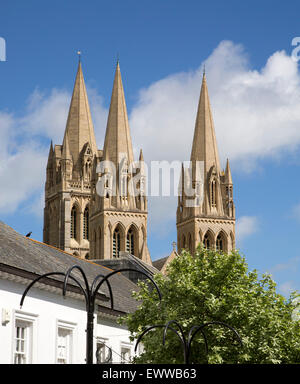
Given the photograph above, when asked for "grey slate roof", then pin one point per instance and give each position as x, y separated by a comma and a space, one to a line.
28, 256
159, 263
150, 269
126, 260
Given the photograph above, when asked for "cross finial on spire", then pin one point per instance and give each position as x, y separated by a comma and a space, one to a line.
118, 58
79, 55
204, 69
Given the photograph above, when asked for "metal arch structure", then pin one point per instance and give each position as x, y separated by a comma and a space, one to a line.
90, 294
187, 342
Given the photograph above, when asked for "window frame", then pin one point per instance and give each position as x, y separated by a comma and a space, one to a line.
207, 241
127, 346
73, 222
220, 243
116, 243
86, 217
130, 241
70, 328
104, 342
30, 319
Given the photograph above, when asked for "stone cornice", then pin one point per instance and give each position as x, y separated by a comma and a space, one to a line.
120, 213
210, 220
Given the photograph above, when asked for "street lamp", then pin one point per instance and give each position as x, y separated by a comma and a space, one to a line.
90, 294
186, 342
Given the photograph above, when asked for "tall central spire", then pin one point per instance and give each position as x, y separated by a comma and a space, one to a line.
117, 137
209, 218
204, 143
118, 220
79, 128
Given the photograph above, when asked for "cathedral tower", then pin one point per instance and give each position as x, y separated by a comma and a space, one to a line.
68, 179
206, 214
118, 221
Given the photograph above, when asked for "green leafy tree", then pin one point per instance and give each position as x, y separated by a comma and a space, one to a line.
212, 286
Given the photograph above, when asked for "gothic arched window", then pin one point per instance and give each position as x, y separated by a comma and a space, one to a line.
130, 241
206, 241
99, 244
213, 194
116, 243
73, 222
86, 224
183, 242
220, 243
95, 244
190, 242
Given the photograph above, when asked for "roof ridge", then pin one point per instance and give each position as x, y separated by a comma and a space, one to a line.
142, 263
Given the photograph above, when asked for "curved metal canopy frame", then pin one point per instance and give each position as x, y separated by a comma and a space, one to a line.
187, 342
90, 295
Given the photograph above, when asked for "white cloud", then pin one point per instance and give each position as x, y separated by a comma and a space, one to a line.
21, 174
256, 113
36, 205
99, 115
246, 226
291, 265
287, 273
46, 114
295, 212
24, 146
287, 288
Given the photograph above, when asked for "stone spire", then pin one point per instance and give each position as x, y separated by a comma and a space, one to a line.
228, 177
50, 155
209, 217
66, 154
118, 223
68, 184
79, 128
117, 137
141, 158
204, 143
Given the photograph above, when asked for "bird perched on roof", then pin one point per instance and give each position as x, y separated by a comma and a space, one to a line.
29, 234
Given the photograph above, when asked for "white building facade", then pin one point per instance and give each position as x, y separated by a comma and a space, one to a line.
51, 328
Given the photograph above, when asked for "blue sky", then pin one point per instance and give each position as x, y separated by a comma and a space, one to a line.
254, 88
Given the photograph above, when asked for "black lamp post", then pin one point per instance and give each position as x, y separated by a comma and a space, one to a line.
90, 294
186, 342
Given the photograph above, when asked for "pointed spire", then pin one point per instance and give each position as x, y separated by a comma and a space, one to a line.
51, 152
141, 158
204, 143
117, 137
141, 163
51, 148
228, 177
66, 154
79, 127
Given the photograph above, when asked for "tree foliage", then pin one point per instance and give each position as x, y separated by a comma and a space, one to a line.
212, 286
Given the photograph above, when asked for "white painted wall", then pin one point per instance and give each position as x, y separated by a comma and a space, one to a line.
47, 310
